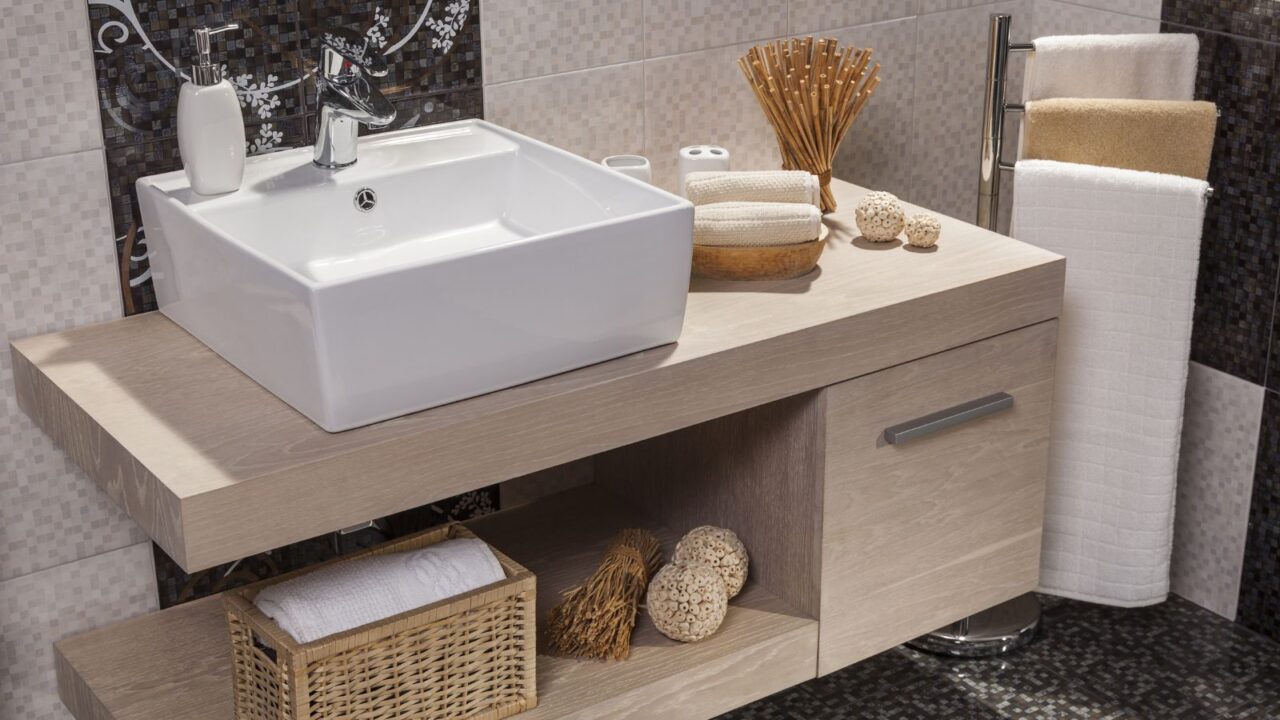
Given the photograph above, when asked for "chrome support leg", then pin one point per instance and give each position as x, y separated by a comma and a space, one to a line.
1005, 627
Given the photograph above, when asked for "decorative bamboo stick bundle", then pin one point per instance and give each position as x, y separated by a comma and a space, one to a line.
811, 92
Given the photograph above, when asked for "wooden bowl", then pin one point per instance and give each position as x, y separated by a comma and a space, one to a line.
766, 262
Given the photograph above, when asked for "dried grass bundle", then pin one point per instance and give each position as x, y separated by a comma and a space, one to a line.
811, 92
595, 620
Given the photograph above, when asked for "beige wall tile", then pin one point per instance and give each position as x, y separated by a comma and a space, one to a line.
59, 270
38, 609
677, 26
810, 16
947, 117
702, 98
523, 39
877, 151
50, 99
594, 113
1060, 18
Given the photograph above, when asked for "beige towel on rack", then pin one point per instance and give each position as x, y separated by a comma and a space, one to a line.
1156, 66
1163, 136
782, 186
755, 224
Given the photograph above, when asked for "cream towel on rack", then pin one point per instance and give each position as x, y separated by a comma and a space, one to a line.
346, 595
1157, 66
755, 223
784, 186
1132, 243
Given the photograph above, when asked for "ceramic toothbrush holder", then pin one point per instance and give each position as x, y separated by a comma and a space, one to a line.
637, 166
702, 158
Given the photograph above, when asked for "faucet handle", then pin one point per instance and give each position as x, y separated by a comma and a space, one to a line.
345, 54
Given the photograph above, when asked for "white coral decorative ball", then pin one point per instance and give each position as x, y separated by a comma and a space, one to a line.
687, 601
879, 216
923, 230
719, 548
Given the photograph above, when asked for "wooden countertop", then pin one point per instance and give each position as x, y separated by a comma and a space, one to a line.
215, 468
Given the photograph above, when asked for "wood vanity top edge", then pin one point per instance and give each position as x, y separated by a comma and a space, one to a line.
215, 468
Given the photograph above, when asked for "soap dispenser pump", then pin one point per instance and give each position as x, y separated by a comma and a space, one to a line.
210, 125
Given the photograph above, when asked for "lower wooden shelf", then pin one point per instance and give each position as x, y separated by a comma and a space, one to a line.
175, 664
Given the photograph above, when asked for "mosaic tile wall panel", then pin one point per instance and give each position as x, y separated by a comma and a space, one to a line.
1239, 256
1236, 317
39, 609
140, 47
57, 272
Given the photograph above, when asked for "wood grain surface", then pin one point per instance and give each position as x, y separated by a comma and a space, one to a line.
215, 468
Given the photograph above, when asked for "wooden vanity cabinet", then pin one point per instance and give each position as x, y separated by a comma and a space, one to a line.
918, 534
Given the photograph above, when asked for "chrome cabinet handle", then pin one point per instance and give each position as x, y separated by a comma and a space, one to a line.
948, 418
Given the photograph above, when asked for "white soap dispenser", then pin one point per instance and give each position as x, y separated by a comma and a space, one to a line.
210, 125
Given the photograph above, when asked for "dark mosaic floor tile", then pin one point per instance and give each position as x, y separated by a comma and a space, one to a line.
1259, 606
138, 84
1258, 19
426, 53
1239, 256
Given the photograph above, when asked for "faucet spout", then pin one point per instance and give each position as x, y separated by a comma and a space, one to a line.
346, 99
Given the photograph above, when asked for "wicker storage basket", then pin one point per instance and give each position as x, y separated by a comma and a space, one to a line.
470, 656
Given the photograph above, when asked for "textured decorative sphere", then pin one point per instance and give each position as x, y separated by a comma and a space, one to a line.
719, 548
687, 601
880, 217
923, 230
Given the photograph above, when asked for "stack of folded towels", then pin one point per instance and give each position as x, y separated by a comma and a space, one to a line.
754, 209
1112, 169
354, 593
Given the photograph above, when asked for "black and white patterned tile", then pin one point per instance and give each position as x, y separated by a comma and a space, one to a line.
142, 49
1220, 427
1174, 661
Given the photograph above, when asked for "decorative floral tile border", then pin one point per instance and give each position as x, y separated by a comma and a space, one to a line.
142, 55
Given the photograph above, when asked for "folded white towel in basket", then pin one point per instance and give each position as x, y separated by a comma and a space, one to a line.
1157, 66
744, 224
346, 595
1132, 243
776, 186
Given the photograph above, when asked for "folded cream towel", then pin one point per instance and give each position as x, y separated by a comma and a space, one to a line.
781, 186
1132, 243
1158, 66
1163, 136
346, 595
755, 223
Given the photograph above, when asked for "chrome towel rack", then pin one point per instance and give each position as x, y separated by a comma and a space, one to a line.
995, 108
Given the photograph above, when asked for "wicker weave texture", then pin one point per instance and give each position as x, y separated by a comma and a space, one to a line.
471, 656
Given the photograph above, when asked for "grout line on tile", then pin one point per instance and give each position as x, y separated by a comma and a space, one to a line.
1219, 33
576, 71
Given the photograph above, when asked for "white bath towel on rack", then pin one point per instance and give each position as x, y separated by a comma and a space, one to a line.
1132, 243
1157, 66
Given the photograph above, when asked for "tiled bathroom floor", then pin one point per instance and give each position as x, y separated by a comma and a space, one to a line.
1174, 661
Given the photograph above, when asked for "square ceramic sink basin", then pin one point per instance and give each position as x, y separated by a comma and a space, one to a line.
448, 262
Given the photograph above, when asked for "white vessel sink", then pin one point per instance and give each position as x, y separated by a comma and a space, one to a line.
488, 260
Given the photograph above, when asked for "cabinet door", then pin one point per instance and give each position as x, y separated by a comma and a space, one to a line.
941, 517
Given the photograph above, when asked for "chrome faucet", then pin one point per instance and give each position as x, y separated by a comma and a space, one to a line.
345, 97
